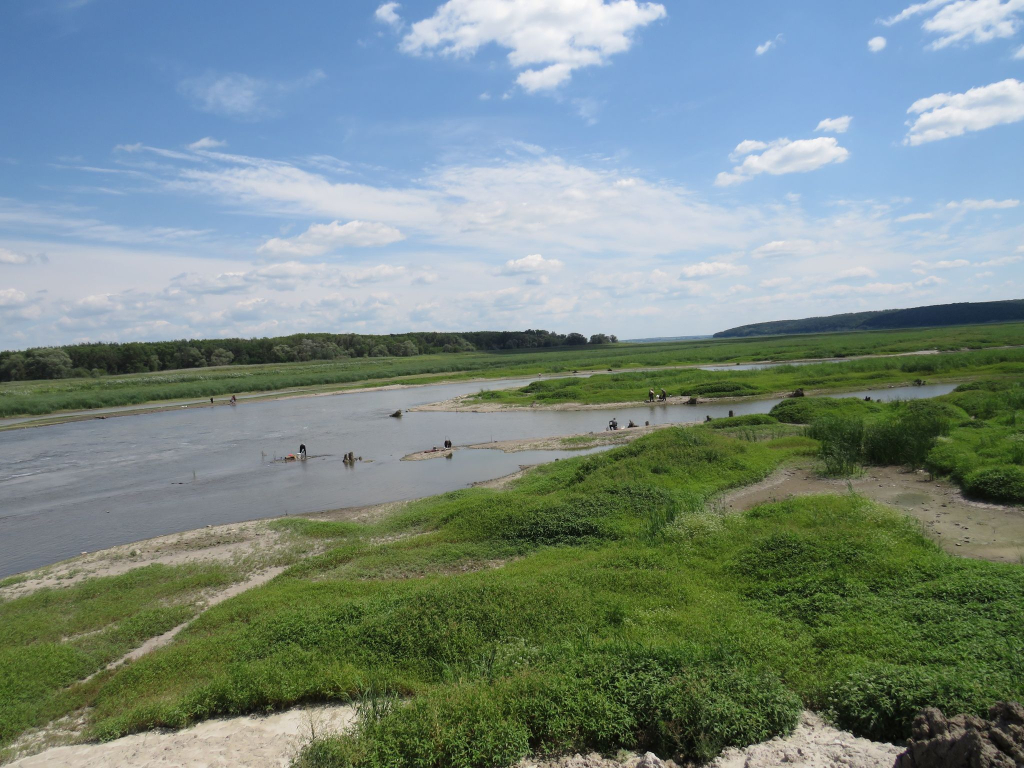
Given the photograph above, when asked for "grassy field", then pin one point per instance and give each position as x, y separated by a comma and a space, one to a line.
44, 397
632, 386
599, 603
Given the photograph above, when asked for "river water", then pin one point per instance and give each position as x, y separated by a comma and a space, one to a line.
89, 485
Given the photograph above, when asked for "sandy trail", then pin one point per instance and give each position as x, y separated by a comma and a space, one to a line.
253, 742
961, 526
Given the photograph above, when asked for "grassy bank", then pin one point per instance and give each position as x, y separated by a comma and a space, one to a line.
55, 637
599, 603
974, 436
43, 397
633, 386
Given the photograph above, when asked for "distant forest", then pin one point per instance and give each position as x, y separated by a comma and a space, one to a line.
139, 357
967, 313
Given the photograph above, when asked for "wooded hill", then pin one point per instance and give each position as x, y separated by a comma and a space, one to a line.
966, 313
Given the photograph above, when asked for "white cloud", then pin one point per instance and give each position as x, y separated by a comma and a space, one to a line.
983, 205
547, 40
834, 124
12, 298
1003, 261
914, 217
767, 45
10, 257
876, 44
775, 282
784, 156
952, 114
962, 21
944, 264
388, 14
99, 304
1019, 55
529, 265
744, 148
712, 269
321, 238
789, 248
239, 95
207, 142
930, 280
195, 284
856, 272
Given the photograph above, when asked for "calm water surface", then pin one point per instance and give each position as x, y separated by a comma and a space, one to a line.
89, 485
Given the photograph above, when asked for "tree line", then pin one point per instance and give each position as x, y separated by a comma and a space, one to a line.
99, 359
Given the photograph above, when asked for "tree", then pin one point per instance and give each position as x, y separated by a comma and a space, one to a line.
575, 339
48, 364
599, 338
408, 349
13, 368
221, 356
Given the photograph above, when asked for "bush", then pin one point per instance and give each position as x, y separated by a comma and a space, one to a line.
905, 437
841, 441
1001, 483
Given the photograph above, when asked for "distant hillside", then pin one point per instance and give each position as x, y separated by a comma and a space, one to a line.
664, 338
967, 313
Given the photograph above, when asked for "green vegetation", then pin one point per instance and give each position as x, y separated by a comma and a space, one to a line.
974, 436
599, 603
632, 386
918, 317
53, 638
52, 396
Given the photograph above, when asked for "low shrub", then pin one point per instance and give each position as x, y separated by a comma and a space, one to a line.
1001, 483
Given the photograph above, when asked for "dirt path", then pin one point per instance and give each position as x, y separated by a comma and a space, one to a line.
961, 526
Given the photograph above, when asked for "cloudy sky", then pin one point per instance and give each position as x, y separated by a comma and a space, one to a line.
259, 168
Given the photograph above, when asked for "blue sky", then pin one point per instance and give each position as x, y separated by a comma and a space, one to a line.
259, 168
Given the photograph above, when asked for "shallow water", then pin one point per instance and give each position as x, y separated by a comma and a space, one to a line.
89, 485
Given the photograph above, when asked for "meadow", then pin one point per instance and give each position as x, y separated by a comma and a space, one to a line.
601, 602
54, 396
633, 386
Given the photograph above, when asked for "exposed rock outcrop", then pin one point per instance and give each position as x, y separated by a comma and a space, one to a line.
966, 741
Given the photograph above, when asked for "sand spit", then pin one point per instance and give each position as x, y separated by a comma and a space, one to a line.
253, 742
961, 526
575, 442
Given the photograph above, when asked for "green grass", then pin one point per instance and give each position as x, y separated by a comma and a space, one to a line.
974, 436
44, 397
633, 386
599, 603
53, 638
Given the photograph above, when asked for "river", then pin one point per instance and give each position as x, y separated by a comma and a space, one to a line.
89, 485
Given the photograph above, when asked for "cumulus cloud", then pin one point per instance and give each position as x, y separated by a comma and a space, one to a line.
99, 304
789, 248
876, 44
1003, 261
548, 41
782, 156
207, 142
952, 114
388, 14
930, 280
321, 238
767, 45
239, 95
712, 269
1019, 55
965, 21
533, 264
914, 217
943, 264
12, 298
835, 124
10, 257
